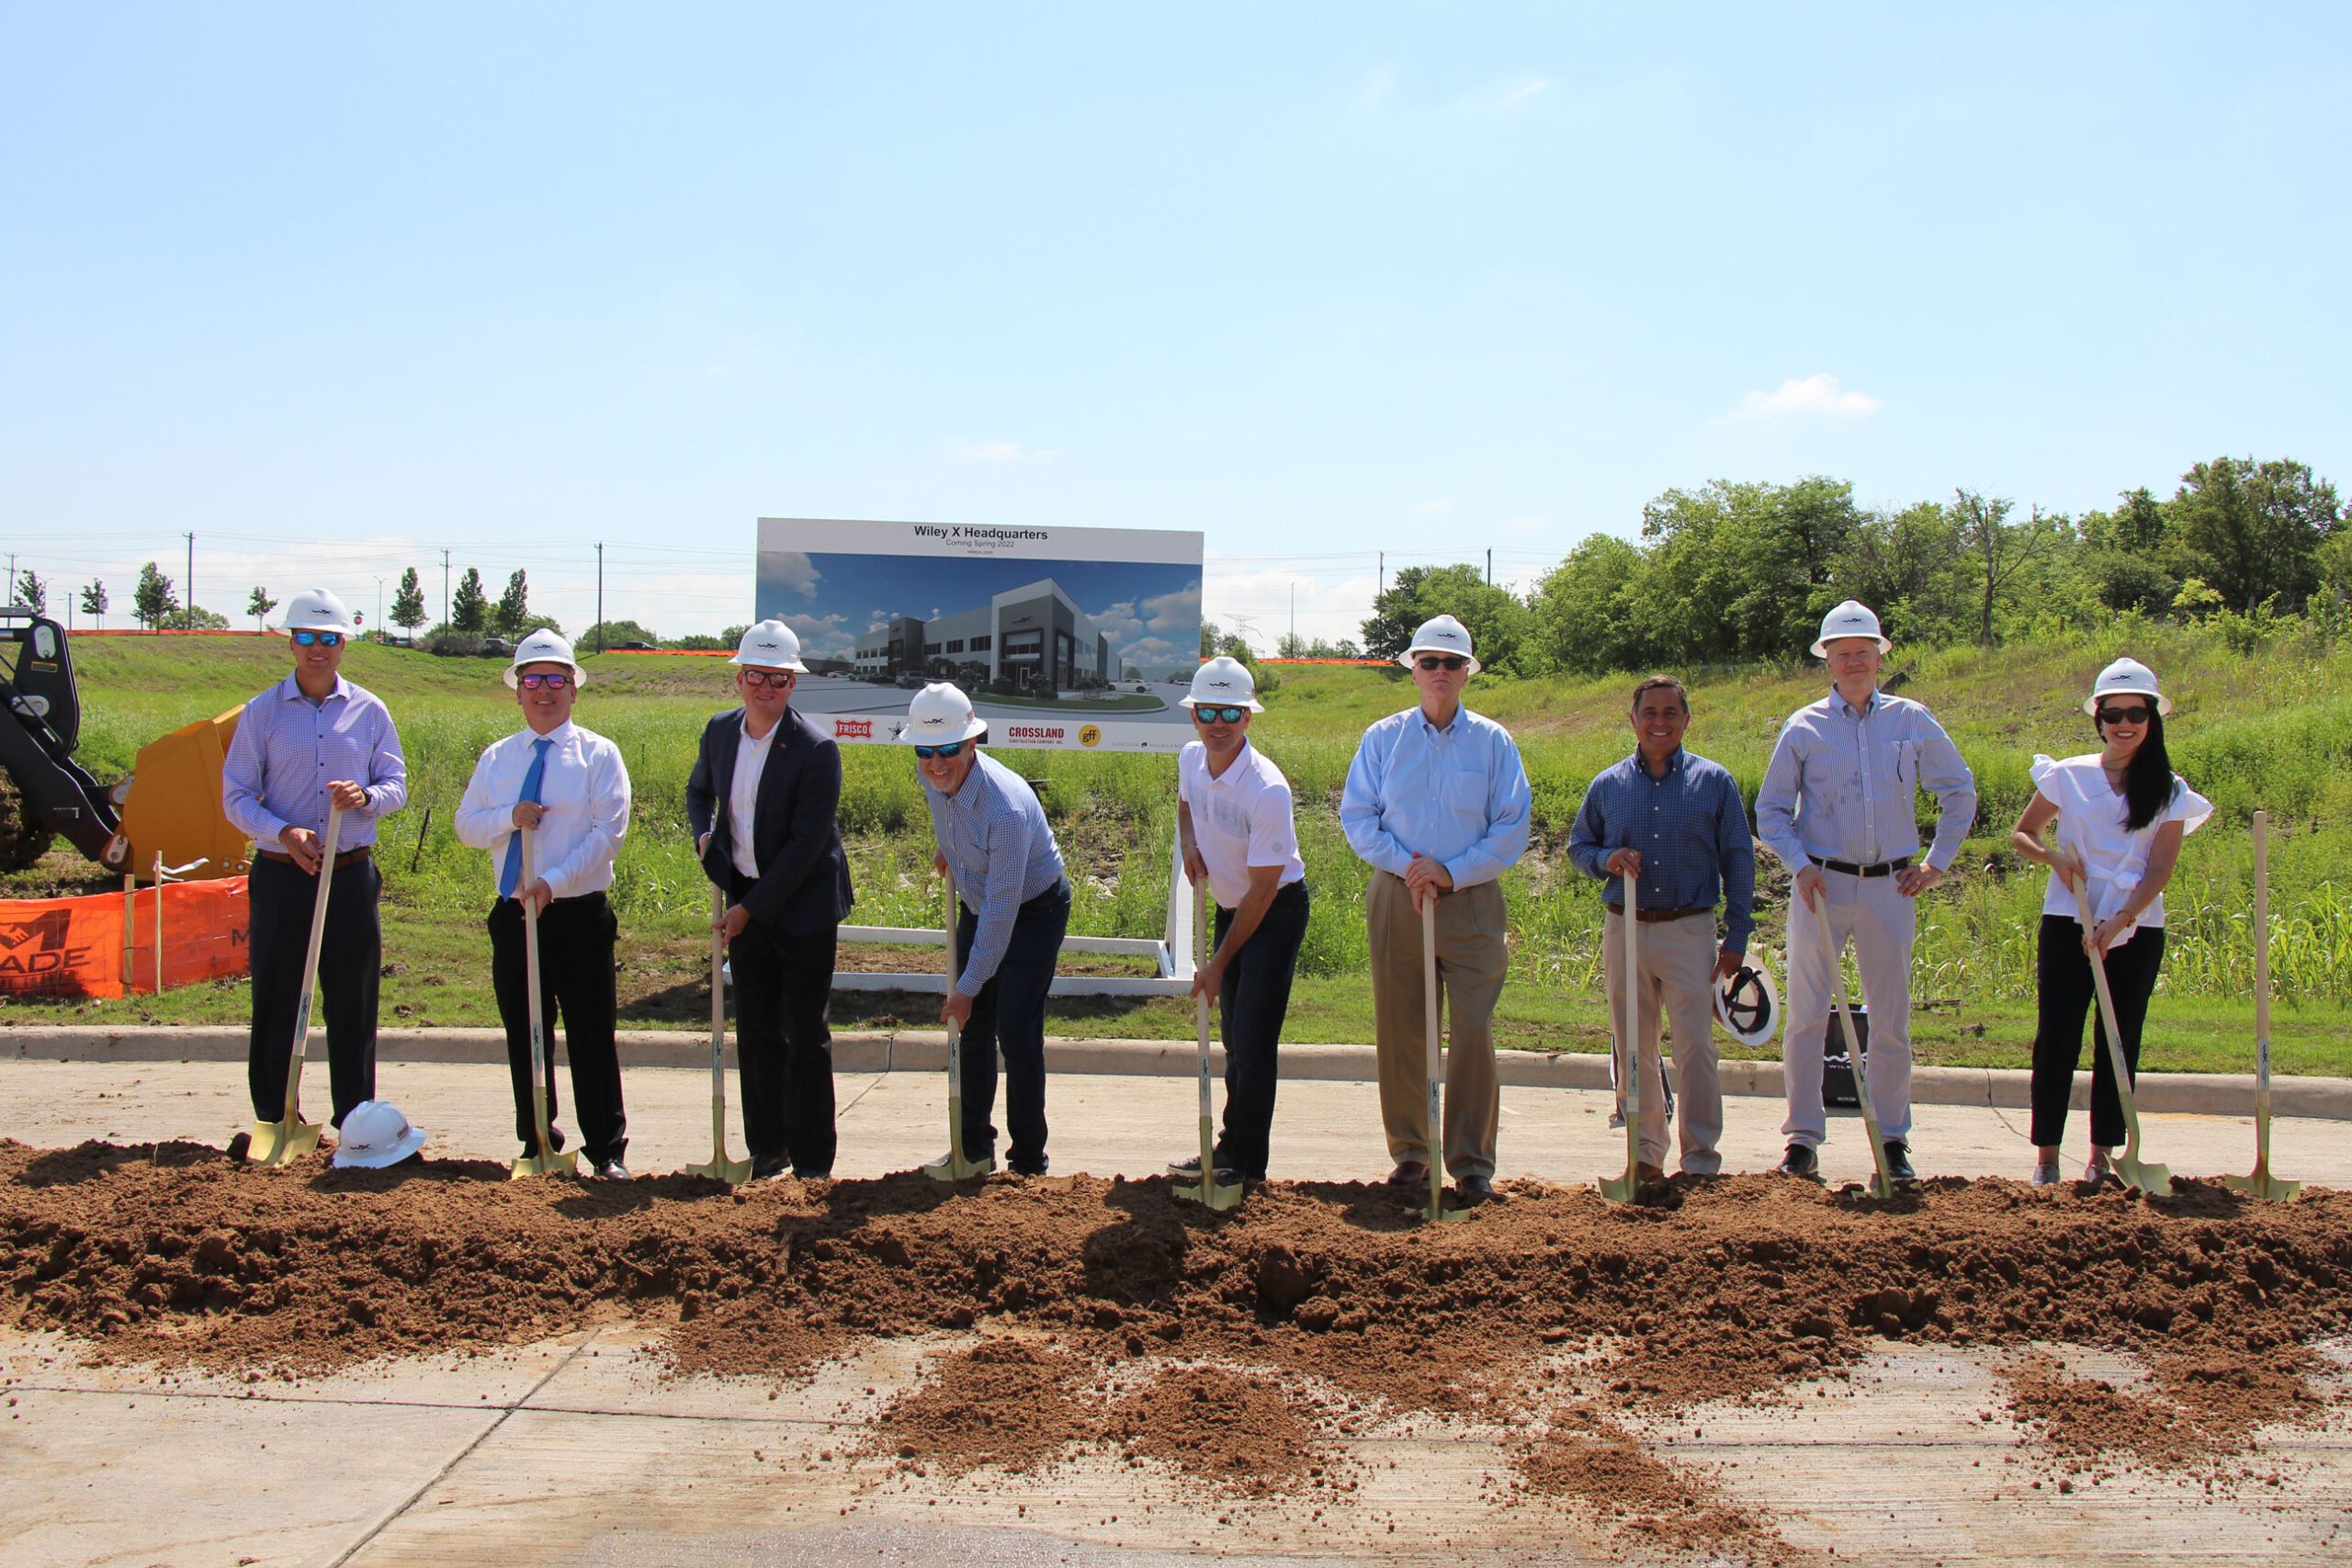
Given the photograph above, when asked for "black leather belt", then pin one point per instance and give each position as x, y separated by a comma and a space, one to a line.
346, 858
1884, 868
1653, 917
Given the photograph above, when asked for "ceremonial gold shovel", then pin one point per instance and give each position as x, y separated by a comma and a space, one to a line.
2145, 1174
1208, 1190
277, 1142
1437, 1212
1621, 1188
955, 1167
734, 1172
549, 1160
1881, 1184
2262, 1184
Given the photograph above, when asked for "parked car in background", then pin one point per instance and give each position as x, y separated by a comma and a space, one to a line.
635, 648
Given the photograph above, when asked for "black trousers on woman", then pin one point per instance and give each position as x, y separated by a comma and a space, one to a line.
1253, 1003
2062, 972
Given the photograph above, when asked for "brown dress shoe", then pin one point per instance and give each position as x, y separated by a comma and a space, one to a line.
1409, 1173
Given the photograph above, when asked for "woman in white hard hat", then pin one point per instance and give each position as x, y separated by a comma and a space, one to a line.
2122, 815
570, 786
314, 740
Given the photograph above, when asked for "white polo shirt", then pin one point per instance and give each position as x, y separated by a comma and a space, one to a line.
1240, 820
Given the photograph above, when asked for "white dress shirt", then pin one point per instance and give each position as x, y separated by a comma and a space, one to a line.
743, 793
2091, 818
585, 791
1241, 818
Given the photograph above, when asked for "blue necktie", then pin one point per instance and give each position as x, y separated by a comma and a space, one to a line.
531, 778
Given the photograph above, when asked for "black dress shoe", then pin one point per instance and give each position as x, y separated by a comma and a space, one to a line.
1409, 1173
762, 1169
825, 1174
1899, 1161
1801, 1161
1478, 1188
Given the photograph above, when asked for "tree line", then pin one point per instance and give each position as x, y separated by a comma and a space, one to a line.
1742, 571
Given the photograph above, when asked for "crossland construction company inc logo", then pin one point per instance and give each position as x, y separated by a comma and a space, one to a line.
853, 729
1090, 735
36, 950
1037, 733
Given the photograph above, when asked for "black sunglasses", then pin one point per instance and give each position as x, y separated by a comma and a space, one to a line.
950, 750
318, 639
2136, 714
766, 677
1219, 716
1442, 662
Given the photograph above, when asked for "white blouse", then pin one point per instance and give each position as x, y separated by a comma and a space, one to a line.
2091, 818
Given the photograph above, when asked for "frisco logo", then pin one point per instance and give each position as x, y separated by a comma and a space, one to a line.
853, 729
1036, 732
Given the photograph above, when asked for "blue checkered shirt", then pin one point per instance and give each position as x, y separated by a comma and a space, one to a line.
1692, 831
994, 835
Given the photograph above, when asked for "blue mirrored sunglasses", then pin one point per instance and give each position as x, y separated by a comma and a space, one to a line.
318, 639
950, 750
1219, 716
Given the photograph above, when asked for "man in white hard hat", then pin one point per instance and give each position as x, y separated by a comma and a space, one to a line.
764, 798
1240, 844
312, 740
570, 786
1013, 907
1674, 822
1838, 806
1437, 804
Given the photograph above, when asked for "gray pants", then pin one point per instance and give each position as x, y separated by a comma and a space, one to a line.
1678, 969
1868, 911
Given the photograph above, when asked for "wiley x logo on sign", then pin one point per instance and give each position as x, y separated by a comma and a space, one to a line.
37, 946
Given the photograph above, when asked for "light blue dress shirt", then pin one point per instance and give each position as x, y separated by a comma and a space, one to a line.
1457, 794
994, 835
1843, 785
287, 751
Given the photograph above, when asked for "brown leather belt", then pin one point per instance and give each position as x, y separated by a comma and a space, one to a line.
1652, 916
346, 858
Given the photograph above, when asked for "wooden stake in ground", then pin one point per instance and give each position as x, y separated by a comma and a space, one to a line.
1882, 1183
1437, 1212
2145, 1174
955, 1167
1209, 1191
2262, 1184
734, 1172
1622, 1188
549, 1160
276, 1142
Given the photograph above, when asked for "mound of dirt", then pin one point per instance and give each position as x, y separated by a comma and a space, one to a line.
1108, 1314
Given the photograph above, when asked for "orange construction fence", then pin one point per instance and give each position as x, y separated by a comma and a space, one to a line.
104, 945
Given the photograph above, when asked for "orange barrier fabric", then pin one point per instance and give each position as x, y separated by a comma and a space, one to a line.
68, 949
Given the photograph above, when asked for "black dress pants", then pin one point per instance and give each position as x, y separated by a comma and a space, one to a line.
279, 898
784, 1043
1253, 1000
575, 981
1009, 1016
2063, 976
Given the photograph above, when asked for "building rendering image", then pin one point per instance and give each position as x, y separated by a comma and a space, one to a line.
1031, 639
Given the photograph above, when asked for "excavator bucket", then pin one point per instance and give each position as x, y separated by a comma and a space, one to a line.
171, 806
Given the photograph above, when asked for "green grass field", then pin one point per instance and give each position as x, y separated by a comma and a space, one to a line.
2268, 726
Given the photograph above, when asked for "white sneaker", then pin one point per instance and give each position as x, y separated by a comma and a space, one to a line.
2098, 1173
2046, 1175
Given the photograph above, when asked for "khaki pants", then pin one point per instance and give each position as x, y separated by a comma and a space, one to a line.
1678, 969
1472, 956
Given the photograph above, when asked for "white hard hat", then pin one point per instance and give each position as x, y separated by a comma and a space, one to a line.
770, 645
1748, 1005
2127, 677
1441, 634
316, 610
1852, 618
939, 715
1223, 682
376, 1135
546, 646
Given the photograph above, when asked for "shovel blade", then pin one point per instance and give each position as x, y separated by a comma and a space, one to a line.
1210, 1192
564, 1162
2263, 1185
1438, 1214
281, 1143
734, 1172
2150, 1178
954, 1170
1619, 1189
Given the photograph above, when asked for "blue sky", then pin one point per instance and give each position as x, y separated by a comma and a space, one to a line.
337, 291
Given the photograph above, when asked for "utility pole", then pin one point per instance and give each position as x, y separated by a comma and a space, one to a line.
600, 595
445, 589
1293, 615
12, 577
1490, 566
379, 609
191, 583
1384, 571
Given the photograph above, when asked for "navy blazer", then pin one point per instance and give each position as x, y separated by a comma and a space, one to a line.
803, 885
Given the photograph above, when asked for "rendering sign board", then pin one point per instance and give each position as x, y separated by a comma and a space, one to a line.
1062, 636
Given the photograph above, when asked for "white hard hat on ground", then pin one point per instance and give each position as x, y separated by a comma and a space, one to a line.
1852, 618
546, 646
376, 1135
770, 645
316, 610
940, 715
1223, 682
1748, 1005
1441, 633
2127, 677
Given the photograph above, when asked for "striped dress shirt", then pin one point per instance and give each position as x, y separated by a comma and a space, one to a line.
287, 751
